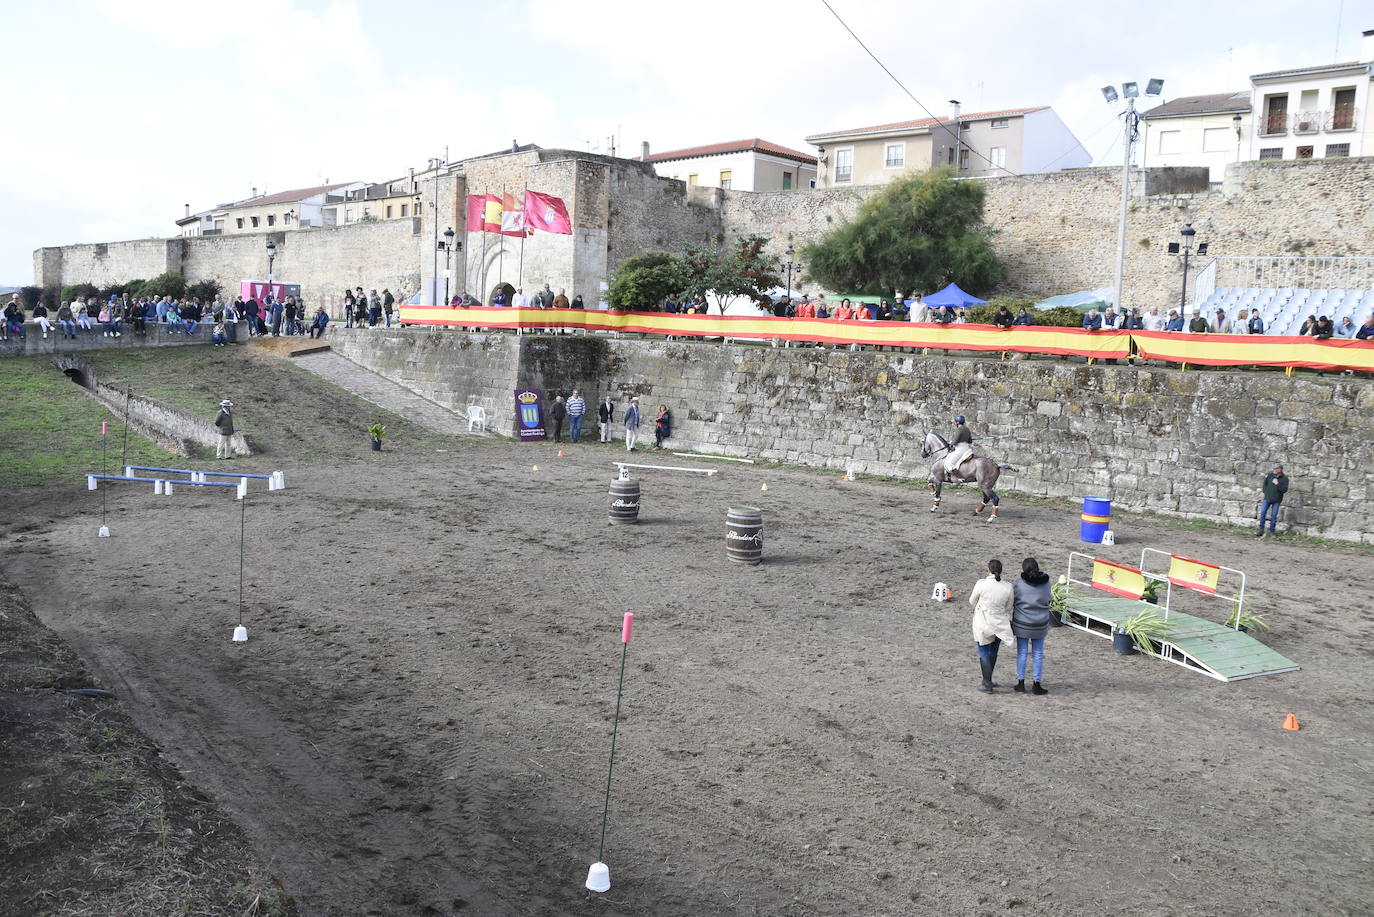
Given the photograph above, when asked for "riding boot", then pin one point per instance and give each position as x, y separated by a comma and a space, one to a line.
1020, 685
1036, 689
985, 664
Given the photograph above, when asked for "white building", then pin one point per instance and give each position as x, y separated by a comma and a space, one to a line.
1314, 112
742, 165
1211, 130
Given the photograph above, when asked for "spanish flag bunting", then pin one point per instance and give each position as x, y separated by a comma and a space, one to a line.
1193, 574
1127, 582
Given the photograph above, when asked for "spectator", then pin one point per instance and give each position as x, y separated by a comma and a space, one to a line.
1323, 329
819, 308
40, 315
219, 336
1255, 325
1219, 324
275, 310
1133, 322
1175, 322
1111, 320
559, 412
224, 421
781, 307
1023, 318
1366, 331
231, 318
109, 319
577, 302
520, 300
1274, 487
374, 309
1030, 622
632, 425
546, 297
992, 604
945, 316
190, 318
65, 323
14, 320
962, 318
1092, 321
577, 408
805, 308
250, 315
348, 303
900, 312
605, 415
83, 317
388, 304
160, 309
360, 309
1152, 320
561, 300
884, 311
1242, 323
1003, 318
663, 426
1197, 324
173, 318
1346, 329
320, 323
289, 310
1307, 325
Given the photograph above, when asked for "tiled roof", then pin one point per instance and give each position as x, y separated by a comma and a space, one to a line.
754, 144
925, 122
1217, 103
1317, 69
288, 197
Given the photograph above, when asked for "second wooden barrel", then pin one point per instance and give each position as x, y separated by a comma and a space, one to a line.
624, 508
744, 534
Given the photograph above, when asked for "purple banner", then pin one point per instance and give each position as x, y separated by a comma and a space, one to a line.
529, 414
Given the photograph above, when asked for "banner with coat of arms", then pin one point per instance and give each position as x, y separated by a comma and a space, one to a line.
529, 414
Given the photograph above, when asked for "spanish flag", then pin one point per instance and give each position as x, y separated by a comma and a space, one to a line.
1127, 582
1193, 574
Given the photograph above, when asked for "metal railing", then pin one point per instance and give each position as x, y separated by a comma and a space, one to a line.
1306, 122
1296, 272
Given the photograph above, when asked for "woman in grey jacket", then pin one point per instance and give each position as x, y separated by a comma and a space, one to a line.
1030, 621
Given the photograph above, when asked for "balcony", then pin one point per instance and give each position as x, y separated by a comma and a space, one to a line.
1307, 122
1343, 119
1273, 124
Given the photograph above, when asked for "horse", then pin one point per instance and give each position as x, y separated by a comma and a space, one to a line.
977, 469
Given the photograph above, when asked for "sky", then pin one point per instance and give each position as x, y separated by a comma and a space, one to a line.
118, 112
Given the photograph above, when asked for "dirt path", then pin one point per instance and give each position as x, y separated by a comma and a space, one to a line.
420, 721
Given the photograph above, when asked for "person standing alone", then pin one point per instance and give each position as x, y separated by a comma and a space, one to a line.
577, 407
559, 412
224, 421
632, 425
605, 415
1275, 486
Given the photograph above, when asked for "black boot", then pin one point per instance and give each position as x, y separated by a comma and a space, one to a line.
1036, 689
986, 665
1020, 685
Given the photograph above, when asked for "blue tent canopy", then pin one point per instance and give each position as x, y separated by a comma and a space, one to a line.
953, 296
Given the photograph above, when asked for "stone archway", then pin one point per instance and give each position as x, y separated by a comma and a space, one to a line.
501, 288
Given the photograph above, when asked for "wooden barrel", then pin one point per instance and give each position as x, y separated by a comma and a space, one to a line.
744, 534
624, 501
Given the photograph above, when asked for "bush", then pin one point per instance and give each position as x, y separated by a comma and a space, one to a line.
1060, 316
169, 284
128, 288
29, 296
644, 281
50, 297
72, 291
207, 291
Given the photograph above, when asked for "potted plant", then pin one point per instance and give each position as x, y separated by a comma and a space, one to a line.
1151, 592
1059, 602
1248, 621
1139, 632
377, 432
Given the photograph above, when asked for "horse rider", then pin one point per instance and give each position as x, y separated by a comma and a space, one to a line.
961, 446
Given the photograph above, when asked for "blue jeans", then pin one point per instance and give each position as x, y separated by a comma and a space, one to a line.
1272, 511
574, 426
987, 658
1037, 653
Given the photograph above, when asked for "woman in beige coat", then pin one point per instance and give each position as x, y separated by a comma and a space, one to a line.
992, 602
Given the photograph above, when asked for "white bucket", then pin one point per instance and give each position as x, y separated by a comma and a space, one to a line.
104, 531
599, 877
1109, 537
240, 634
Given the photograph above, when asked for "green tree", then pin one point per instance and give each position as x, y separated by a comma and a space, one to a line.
169, 284
207, 291
741, 269
29, 296
918, 233
644, 281
86, 290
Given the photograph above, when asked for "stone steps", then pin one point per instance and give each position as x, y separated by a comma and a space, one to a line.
382, 392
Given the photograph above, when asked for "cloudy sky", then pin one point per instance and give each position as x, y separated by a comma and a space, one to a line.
118, 112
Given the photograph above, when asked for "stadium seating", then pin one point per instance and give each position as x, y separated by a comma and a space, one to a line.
1284, 310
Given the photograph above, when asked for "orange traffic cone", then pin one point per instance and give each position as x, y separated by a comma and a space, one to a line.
1290, 723
560, 453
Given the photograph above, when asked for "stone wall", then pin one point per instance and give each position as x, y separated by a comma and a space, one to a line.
54, 343
1193, 444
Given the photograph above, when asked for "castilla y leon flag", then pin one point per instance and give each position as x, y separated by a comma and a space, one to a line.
546, 212
1193, 574
480, 216
1118, 580
512, 217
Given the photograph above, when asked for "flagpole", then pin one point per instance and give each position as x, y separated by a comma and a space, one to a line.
501, 253
524, 231
482, 266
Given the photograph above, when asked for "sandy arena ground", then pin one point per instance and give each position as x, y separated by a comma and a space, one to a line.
420, 721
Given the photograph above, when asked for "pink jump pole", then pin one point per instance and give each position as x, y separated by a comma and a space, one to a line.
599, 876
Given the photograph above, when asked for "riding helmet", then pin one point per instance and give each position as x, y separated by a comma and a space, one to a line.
959, 419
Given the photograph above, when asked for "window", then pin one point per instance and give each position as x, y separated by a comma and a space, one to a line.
691, 179
895, 156
998, 155
1271, 152
255, 222
1304, 152
405, 210
1343, 117
844, 165
388, 211
1218, 140
726, 176
348, 215
1275, 115
787, 181
963, 159
286, 218
1334, 150
1000, 123
417, 208
271, 219
1170, 142
239, 221
951, 155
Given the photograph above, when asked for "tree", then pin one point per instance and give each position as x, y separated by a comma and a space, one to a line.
918, 233
738, 270
204, 290
83, 290
644, 281
29, 296
169, 284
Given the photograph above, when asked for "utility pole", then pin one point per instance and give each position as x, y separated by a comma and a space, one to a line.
1128, 141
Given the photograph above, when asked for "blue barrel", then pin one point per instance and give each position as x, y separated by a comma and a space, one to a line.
1097, 518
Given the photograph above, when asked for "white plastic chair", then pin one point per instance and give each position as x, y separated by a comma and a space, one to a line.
477, 415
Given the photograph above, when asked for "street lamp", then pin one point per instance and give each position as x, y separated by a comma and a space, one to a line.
1236, 119
446, 247
1186, 249
271, 256
791, 265
1131, 127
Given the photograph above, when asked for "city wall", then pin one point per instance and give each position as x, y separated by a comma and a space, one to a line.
1056, 232
1180, 443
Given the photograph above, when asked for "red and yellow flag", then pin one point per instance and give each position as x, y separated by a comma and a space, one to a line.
1193, 574
1127, 582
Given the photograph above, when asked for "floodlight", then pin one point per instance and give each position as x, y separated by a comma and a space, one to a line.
1201, 249
1130, 90
1173, 248
1154, 87
1109, 93
1187, 231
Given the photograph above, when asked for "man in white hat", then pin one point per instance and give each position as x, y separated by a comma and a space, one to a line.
224, 421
